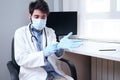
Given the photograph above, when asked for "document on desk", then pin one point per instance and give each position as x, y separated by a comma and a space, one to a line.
107, 49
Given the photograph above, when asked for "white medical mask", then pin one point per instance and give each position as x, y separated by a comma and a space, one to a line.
38, 24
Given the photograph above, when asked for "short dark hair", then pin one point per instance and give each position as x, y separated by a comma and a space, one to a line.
40, 5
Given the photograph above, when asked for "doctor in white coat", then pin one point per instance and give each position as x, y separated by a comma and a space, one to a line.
33, 59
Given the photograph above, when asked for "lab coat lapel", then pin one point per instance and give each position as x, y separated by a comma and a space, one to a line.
45, 38
31, 40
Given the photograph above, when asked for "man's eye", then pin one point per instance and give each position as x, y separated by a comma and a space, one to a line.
36, 17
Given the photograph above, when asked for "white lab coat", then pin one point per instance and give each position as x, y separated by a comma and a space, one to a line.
30, 60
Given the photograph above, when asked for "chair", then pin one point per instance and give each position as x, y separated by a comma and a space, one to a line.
13, 67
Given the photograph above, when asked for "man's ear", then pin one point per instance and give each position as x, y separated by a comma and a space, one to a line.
30, 17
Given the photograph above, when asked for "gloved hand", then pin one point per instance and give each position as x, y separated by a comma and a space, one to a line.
66, 43
50, 49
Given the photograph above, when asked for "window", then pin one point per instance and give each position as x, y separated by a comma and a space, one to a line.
102, 19
118, 5
97, 6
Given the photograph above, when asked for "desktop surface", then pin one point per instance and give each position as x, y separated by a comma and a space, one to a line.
103, 50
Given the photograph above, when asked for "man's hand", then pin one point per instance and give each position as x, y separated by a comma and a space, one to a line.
66, 43
50, 49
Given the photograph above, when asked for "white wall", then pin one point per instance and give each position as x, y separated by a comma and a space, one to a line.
75, 5
13, 14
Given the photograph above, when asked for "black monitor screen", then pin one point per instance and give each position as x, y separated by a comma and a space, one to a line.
63, 22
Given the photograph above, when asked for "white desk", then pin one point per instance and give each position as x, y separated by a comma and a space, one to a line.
105, 65
91, 48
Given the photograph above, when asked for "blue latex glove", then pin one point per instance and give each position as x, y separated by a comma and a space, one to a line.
50, 49
66, 43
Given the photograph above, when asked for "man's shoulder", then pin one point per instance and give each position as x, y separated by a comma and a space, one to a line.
49, 29
21, 29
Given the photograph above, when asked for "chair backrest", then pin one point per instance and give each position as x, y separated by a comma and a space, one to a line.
13, 56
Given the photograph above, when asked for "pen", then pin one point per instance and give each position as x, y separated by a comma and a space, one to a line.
107, 50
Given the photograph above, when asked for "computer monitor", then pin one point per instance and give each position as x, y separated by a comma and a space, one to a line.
63, 22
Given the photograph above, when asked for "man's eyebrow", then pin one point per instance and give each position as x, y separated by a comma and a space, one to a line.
36, 15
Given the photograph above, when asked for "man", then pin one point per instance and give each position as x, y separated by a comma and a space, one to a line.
36, 49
